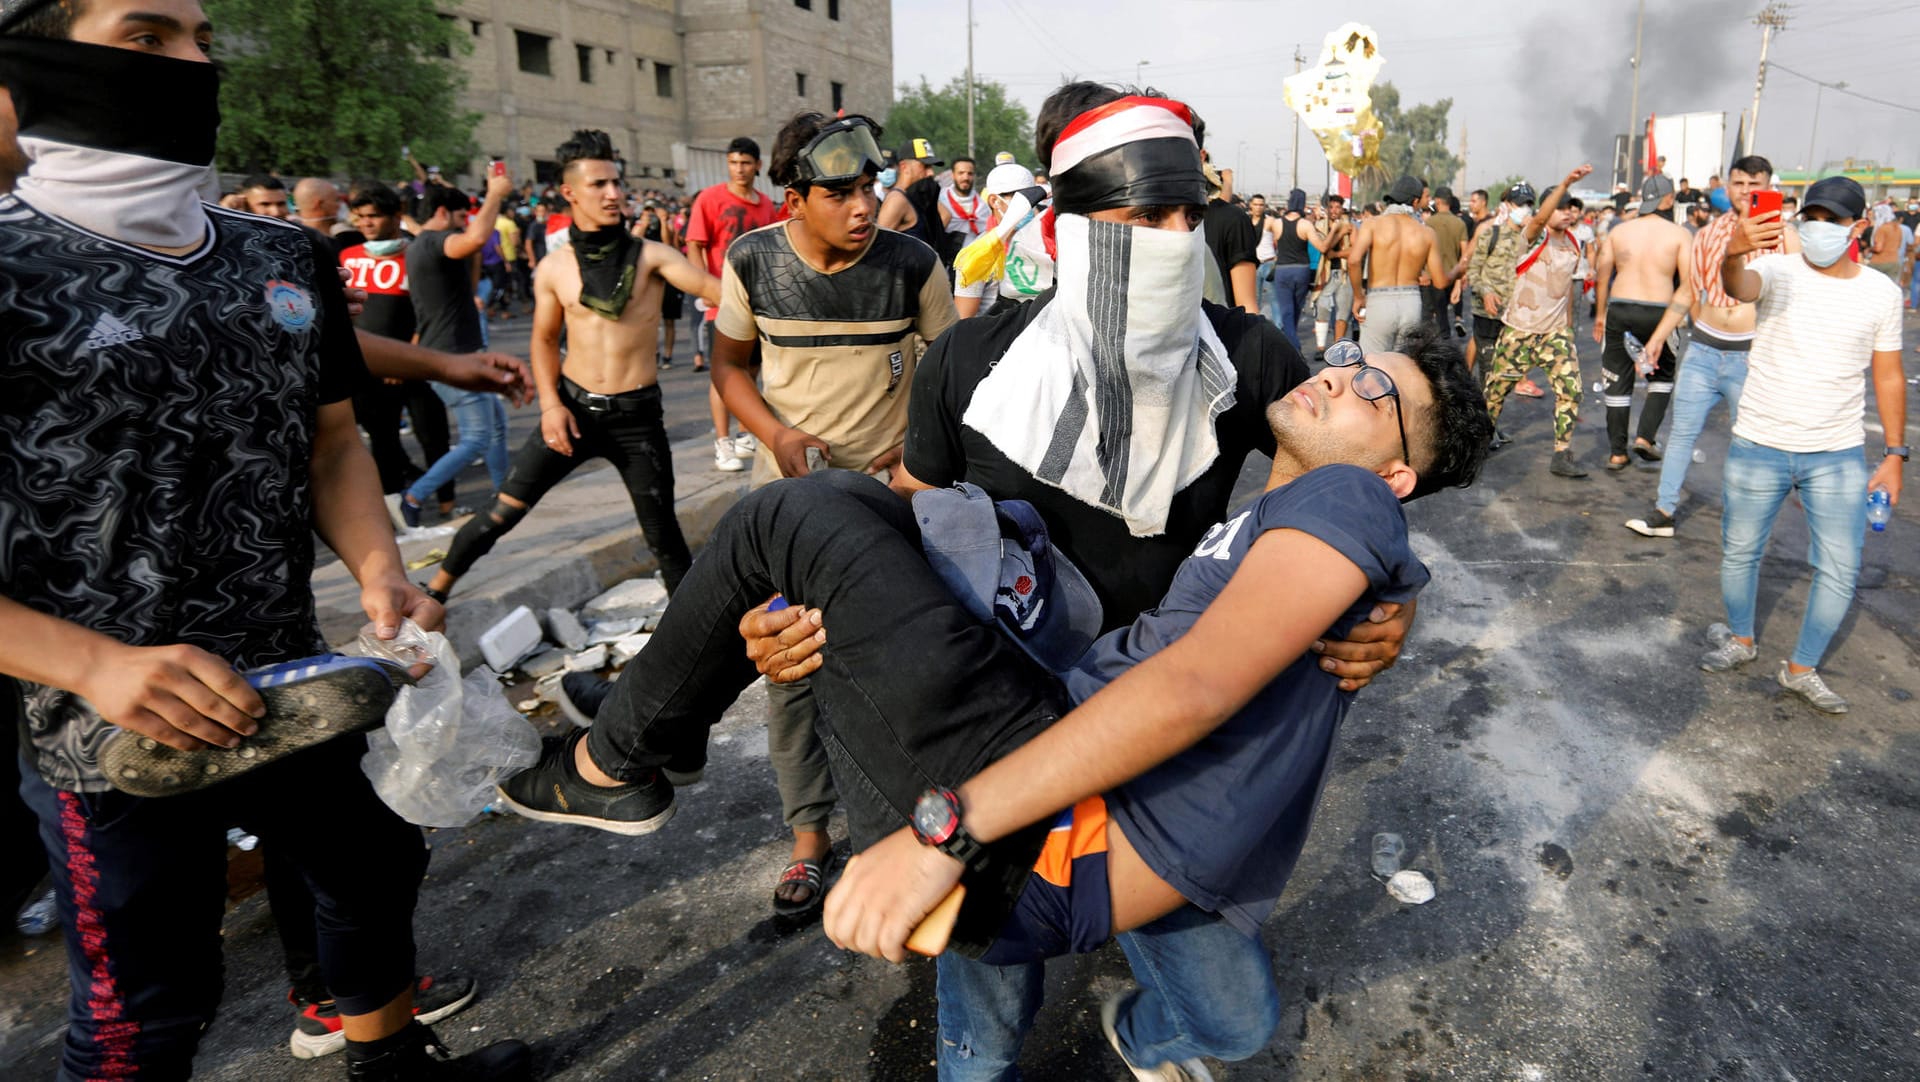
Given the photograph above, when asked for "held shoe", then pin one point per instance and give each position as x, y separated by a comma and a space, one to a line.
1191, 1070
724, 459
1657, 524
581, 696
1810, 687
415, 1054
552, 791
1730, 653
1565, 465
308, 702
317, 1032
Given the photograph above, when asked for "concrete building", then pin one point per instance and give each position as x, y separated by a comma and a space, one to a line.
671, 80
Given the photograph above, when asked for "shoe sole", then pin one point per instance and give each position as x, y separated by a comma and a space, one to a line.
302, 713
1704, 667
308, 1046
1648, 454
628, 827
1640, 527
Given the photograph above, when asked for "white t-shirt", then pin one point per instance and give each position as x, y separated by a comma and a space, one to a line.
1027, 272
1813, 341
1264, 252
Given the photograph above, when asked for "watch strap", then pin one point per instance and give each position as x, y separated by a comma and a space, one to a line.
1900, 449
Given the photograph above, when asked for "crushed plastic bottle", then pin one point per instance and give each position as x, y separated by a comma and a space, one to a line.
1599, 387
38, 917
1699, 455
241, 840
1879, 509
1638, 351
1410, 887
1387, 851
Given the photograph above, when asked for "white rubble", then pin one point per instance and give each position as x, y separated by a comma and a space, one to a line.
1410, 887
632, 598
565, 629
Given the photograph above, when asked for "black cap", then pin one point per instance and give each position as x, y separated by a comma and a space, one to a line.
1841, 195
1405, 190
1520, 195
920, 150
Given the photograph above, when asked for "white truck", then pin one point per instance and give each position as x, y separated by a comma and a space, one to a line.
1694, 144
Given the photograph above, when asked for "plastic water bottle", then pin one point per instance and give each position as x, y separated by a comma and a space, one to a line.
1387, 851
1638, 352
1699, 455
1879, 509
1599, 387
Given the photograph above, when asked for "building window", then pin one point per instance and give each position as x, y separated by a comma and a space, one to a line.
839, 96
609, 57
663, 80
444, 49
475, 25
803, 5
667, 172
640, 63
533, 49
584, 55
800, 83
833, 10
545, 172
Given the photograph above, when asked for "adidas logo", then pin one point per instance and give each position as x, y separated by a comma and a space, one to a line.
110, 331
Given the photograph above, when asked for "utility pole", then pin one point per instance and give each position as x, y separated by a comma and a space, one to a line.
1773, 17
1461, 181
970, 77
1818, 89
1633, 115
1297, 61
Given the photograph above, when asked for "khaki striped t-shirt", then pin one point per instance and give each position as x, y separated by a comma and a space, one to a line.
837, 350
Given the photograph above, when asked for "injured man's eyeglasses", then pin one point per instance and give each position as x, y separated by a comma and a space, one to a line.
1370, 383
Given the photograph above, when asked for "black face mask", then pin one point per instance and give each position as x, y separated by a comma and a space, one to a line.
117, 100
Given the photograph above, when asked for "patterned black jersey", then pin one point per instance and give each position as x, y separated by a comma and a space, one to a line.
157, 416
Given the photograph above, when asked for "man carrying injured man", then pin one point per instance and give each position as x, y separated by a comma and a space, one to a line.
1167, 811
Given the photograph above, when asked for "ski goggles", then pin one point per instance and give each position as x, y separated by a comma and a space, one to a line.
842, 152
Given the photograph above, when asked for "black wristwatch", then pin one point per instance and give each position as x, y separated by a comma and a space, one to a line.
1901, 449
936, 822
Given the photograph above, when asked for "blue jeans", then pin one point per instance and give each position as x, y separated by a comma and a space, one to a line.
1205, 990
1291, 285
1833, 492
1913, 292
483, 435
1708, 376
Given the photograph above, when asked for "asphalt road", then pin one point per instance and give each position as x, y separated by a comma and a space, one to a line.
1643, 871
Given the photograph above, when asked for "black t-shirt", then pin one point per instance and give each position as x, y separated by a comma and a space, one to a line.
156, 444
924, 194
1129, 573
442, 291
1232, 239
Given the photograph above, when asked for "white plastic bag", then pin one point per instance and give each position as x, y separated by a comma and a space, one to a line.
447, 741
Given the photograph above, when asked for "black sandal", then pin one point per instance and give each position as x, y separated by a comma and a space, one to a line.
811, 872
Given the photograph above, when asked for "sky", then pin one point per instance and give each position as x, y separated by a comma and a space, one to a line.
1536, 88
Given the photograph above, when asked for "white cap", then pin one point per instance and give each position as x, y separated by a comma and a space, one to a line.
1007, 178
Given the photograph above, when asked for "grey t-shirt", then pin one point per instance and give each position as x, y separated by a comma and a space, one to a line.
1224, 821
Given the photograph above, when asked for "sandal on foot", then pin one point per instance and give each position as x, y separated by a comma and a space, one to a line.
1618, 462
1648, 452
1526, 388
811, 872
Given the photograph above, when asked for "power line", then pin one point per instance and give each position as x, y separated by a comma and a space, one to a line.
1841, 89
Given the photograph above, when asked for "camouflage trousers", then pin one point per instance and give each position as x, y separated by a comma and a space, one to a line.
1516, 354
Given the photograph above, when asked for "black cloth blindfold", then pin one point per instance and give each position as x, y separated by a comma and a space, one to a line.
1143, 173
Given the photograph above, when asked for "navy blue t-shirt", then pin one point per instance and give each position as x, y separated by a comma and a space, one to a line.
1224, 821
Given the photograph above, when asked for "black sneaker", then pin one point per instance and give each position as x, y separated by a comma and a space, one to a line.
317, 1032
552, 791
582, 694
1657, 524
1500, 439
409, 512
309, 702
421, 1057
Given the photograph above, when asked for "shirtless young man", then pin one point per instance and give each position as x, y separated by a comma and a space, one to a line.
1396, 248
605, 284
1635, 270
1716, 368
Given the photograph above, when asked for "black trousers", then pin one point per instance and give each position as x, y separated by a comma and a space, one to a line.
377, 405
1639, 318
632, 435
142, 890
915, 692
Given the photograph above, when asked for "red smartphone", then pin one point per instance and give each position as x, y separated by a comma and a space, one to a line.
499, 169
1763, 202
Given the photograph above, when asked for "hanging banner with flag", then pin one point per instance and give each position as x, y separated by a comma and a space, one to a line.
1652, 164
1334, 99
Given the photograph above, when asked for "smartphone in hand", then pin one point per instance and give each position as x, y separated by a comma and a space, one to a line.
1763, 202
498, 167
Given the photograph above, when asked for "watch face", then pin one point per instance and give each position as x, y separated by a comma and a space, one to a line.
933, 818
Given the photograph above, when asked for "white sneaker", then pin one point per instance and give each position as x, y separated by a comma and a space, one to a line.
724, 459
744, 445
1810, 687
1191, 1070
393, 510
